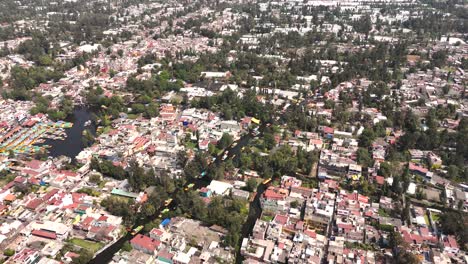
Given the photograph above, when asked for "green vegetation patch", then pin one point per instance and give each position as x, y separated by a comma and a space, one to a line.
86, 244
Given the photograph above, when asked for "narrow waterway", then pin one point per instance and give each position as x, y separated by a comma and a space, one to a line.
72, 145
255, 211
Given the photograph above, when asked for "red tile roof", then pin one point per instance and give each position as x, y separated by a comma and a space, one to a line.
86, 222
272, 194
23, 255
310, 233
50, 194
156, 231
145, 242
32, 205
165, 254
281, 219
102, 218
328, 130
331, 183
44, 234
450, 241
10, 197
71, 255
34, 164
380, 180
414, 167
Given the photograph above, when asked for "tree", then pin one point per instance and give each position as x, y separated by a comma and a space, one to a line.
396, 185
363, 25
95, 178
212, 149
148, 209
294, 204
87, 138
108, 169
139, 179
9, 252
396, 240
269, 140
404, 256
225, 141
385, 169
84, 257
182, 158
366, 138
251, 185
439, 58
120, 207
363, 157
453, 172
245, 161
453, 223
127, 246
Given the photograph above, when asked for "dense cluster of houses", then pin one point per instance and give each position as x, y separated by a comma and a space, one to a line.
179, 240
46, 205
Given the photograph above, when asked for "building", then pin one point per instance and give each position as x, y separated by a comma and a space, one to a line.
145, 244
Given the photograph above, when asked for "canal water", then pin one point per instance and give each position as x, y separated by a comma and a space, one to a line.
255, 211
72, 145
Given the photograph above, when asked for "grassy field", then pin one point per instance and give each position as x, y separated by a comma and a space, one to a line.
86, 244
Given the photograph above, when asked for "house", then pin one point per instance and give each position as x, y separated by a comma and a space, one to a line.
26, 255
259, 229
319, 209
245, 122
145, 244
434, 160
450, 244
50, 229
288, 182
164, 257
215, 75
240, 194
44, 234
205, 192
328, 132
273, 199
136, 256
354, 171
230, 125
386, 203
380, 180
315, 144
102, 232
203, 145
159, 234
34, 204
416, 154
416, 169
219, 187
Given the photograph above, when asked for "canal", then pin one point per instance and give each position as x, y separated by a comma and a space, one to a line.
255, 211
72, 145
